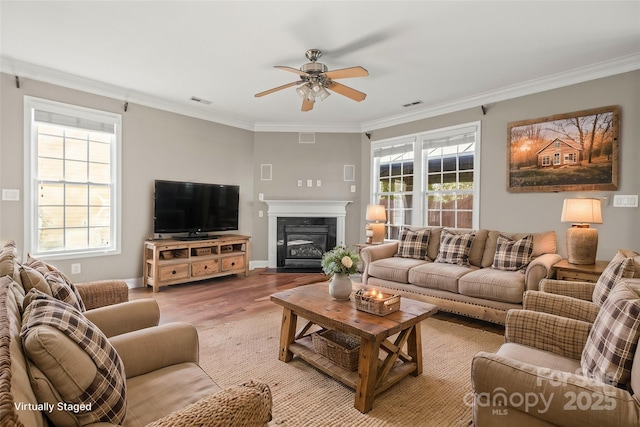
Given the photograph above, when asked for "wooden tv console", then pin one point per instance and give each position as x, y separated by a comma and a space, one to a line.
170, 262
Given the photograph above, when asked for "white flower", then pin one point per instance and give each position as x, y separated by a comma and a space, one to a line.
346, 261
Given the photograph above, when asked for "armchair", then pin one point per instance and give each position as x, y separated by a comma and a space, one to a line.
582, 300
543, 376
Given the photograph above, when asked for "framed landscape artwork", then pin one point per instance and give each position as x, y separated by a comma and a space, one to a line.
566, 152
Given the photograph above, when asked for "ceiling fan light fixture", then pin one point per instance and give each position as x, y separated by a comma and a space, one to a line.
310, 96
303, 91
323, 93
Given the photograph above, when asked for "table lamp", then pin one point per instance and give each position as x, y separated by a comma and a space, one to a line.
582, 241
377, 214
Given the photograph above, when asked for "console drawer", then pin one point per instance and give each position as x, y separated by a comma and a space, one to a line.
204, 268
174, 272
233, 263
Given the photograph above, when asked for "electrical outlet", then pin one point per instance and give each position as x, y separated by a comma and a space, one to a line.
353, 188
260, 213
261, 196
76, 268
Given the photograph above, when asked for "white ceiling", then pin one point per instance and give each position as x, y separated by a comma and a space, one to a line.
449, 55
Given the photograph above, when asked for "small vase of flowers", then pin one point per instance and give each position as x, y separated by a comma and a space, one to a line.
340, 263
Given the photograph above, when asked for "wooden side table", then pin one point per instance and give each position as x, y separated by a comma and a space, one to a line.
579, 272
360, 247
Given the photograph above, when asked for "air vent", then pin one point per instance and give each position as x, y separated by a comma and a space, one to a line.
411, 104
307, 138
200, 100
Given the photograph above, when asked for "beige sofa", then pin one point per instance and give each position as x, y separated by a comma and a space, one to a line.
475, 290
45, 375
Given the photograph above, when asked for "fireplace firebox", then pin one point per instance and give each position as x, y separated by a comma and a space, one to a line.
303, 240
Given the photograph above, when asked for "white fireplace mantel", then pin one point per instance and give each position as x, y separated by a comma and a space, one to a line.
303, 208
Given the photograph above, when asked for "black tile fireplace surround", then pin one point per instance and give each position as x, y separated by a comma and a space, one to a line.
302, 241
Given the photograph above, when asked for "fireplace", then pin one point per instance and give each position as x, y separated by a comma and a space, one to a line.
304, 237
303, 240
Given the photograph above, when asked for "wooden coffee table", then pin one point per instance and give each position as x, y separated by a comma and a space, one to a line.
383, 360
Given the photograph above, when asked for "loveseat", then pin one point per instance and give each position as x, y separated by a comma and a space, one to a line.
108, 365
478, 273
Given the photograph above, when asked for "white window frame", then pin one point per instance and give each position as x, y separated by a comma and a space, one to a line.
31, 104
419, 191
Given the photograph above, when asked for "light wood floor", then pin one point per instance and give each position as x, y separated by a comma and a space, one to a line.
230, 298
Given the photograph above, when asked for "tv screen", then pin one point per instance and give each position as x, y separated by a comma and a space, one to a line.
190, 207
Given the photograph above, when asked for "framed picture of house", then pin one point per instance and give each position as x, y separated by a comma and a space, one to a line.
566, 152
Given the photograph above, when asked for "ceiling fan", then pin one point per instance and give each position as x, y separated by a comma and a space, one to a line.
315, 79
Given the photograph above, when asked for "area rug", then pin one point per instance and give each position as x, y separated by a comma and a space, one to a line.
235, 352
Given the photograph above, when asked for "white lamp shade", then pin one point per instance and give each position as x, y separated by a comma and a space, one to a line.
376, 213
581, 211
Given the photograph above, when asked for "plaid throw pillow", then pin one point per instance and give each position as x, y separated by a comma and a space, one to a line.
454, 248
613, 340
413, 244
107, 393
619, 267
59, 284
513, 255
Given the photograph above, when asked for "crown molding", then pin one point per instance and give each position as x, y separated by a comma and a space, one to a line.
309, 127
591, 72
47, 75
579, 75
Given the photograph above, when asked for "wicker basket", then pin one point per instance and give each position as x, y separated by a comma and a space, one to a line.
340, 348
381, 304
202, 251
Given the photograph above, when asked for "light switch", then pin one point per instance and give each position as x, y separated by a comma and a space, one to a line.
353, 188
260, 213
309, 183
299, 183
319, 183
630, 201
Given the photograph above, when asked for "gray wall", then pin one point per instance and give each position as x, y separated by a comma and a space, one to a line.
292, 161
155, 144
531, 212
159, 144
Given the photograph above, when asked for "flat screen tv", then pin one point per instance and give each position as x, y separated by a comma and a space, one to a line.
194, 208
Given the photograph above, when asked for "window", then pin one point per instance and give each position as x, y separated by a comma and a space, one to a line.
72, 191
449, 170
393, 167
445, 165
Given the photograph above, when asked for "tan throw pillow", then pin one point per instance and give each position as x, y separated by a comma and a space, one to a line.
454, 248
613, 339
33, 279
60, 285
513, 255
57, 339
619, 267
413, 244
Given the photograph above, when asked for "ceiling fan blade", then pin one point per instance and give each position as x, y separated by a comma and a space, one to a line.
275, 89
346, 73
307, 105
346, 91
291, 69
